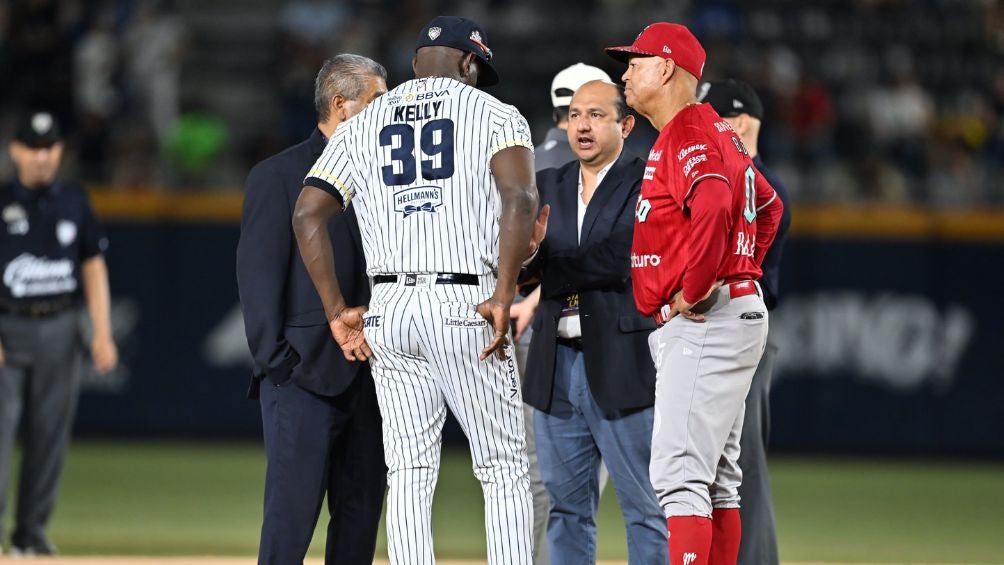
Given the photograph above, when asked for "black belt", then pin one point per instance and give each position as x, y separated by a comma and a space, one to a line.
411, 279
37, 308
573, 342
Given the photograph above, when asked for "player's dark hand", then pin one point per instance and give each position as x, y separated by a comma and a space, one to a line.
347, 329
497, 313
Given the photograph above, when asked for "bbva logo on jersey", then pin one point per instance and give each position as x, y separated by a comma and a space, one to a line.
418, 199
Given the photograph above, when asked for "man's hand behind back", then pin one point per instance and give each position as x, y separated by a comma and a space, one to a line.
496, 311
347, 329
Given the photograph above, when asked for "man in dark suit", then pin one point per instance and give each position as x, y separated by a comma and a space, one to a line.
589, 373
319, 411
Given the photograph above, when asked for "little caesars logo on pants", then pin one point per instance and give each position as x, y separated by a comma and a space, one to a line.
455, 322
28, 275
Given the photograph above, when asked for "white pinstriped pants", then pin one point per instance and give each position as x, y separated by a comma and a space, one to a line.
426, 340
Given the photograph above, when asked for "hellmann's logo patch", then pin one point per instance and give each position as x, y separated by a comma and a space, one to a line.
418, 199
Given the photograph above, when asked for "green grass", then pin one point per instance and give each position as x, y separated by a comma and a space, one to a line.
177, 499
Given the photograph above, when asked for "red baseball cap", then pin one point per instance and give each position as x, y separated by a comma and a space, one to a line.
666, 40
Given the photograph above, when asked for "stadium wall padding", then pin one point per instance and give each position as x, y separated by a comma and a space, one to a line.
887, 344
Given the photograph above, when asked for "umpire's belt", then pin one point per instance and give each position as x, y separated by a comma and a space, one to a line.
38, 308
735, 290
422, 279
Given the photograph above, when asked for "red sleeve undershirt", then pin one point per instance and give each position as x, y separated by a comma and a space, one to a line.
710, 223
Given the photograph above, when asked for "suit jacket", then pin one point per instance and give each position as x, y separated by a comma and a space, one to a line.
284, 319
618, 364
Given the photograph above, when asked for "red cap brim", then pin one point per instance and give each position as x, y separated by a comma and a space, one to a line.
624, 53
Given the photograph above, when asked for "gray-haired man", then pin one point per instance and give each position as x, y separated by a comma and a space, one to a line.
319, 411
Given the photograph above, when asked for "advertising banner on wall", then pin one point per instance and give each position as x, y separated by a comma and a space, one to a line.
886, 345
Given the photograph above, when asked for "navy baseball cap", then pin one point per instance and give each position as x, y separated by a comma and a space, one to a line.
730, 98
462, 34
38, 129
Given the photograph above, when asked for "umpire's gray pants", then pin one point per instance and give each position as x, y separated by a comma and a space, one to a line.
38, 389
759, 541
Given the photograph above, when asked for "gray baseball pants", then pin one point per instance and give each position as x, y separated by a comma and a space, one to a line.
704, 370
39, 382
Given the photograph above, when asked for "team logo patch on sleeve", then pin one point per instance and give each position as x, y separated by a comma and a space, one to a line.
66, 232
16, 218
418, 199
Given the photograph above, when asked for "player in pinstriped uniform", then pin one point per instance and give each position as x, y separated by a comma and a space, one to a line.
441, 175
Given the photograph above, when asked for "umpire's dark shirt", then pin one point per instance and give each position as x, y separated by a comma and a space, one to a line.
47, 233
772, 261
286, 328
554, 152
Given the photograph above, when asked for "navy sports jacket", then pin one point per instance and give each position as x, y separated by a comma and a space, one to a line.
284, 320
618, 364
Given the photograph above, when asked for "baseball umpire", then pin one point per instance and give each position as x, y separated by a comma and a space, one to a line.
738, 104
319, 411
703, 223
51, 251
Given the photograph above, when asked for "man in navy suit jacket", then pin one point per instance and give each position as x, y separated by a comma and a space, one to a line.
589, 374
319, 411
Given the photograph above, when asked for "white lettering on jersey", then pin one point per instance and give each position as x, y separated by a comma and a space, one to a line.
415, 165
723, 126
641, 261
649, 173
693, 161
688, 150
655, 155
28, 275
745, 246
642, 209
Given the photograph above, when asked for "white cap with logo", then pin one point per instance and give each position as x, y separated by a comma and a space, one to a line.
570, 79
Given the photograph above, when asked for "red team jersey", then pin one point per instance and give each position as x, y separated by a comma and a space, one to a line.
667, 255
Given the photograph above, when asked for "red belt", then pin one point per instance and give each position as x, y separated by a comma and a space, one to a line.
736, 290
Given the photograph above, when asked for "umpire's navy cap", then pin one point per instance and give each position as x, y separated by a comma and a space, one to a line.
462, 34
730, 98
38, 129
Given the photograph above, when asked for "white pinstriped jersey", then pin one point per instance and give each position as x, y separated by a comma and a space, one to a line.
415, 164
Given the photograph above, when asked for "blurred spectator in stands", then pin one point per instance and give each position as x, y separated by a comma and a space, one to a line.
879, 181
901, 112
39, 56
134, 152
154, 49
309, 31
810, 119
96, 62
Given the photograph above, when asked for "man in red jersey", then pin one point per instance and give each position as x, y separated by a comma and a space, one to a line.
704, 221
